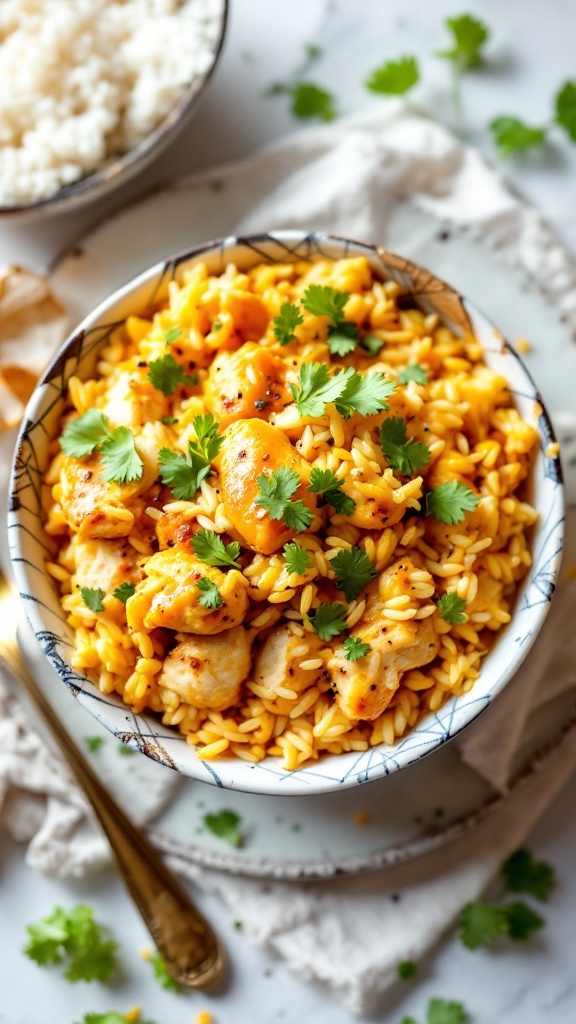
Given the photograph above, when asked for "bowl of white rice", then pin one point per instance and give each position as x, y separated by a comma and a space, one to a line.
92, 92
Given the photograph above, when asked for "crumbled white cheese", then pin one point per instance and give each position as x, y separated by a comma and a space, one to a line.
82, 81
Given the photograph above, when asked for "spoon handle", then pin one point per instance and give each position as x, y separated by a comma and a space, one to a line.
185, 940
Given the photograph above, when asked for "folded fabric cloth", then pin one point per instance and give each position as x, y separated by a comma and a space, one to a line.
350, 934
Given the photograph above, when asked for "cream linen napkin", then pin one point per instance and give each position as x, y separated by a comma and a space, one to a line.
350, 934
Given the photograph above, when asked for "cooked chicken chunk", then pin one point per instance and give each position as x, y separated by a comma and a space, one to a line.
169, 596
277, 665
246, 383
133, 401
250, 448
104, 563
208, 671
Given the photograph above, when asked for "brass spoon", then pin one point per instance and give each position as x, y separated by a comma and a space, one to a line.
193, 955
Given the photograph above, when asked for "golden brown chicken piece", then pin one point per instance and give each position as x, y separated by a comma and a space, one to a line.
252, 447
246, 383
169, 596
208, 671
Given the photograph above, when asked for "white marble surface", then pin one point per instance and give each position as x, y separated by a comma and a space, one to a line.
531, 54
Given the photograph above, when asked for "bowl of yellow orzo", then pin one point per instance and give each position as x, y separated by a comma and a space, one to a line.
286, 513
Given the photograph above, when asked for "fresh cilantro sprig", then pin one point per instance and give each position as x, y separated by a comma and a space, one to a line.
406, 456
166, 375
481, 923
226, 825
325, 482
208, 443
209, 594
365, 394
372, 343
124, 591
323, 300
565, 108
296, 558
210, 548
469, 36
91, 433
93, 598
160, 970
276, 490
316, 388
511, 135
524, 874
309, 100
394, 77
73, 937
328, 620
413, 372
172, 335
353, 570
449, 501
451, 608
355, 649
183, 474
286, 322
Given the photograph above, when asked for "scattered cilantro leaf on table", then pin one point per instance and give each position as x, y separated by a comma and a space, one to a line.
328, 620
406, 969
565, 104
286, 322
210, 548
354, 648
93, 743
309, 100
161, 974
124, 591
312, 50
481, 924
448, 502
469, 36
511, 135
109, 1017
521, 920
125, 751
225, 825
413, 372
297, 559
451, 608
445, 1011
404, 455
524, 874
73, 937
276, 489
165, 374
93, 597
354, 570
209, 594
394, 77
83, 435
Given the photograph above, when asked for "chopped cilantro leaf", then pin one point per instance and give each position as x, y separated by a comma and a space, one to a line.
324, 481
469, 37
166, 375
481, 924
372, 344
413, 372
343, 339
341, 503
406, 969
169, 420
524, 874
124, 591
308, 100
172, 335
355, 648
109, 1017
286, 322
93, 597
444, 1011
566, 108
276, 489
316, 388
83, 435
451, 608
521, 920
448, 502
354, 570
365, 394
297, 559
514, 136
328, 620
93, 743
210, 595
322, 300
404, 455
120, 460
210, 548
208, 443
161, 974
394, 77
225, 825
183, 474
72, 936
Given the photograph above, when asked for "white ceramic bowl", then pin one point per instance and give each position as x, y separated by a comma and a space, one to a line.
119, 170
144, 732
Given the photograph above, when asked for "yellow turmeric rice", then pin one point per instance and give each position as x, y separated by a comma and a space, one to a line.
287, 511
